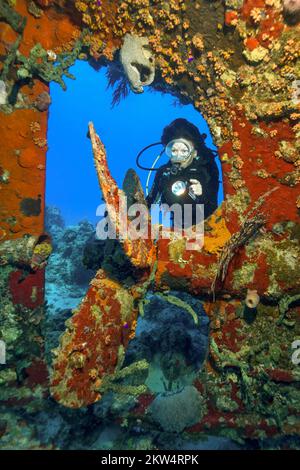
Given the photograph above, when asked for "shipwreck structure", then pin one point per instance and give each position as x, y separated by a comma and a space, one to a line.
237, 61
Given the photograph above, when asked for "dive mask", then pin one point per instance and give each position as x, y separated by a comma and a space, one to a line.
179, 150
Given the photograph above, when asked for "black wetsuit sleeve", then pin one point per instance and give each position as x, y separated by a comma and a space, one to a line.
213, 187
210, 187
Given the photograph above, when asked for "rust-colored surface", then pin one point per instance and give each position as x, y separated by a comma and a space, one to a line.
23, 133
96, 336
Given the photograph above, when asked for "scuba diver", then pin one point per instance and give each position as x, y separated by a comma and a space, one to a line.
190, 176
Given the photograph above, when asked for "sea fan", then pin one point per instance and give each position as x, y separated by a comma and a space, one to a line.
116, 76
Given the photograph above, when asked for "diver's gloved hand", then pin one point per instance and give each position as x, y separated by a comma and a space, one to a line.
195, 187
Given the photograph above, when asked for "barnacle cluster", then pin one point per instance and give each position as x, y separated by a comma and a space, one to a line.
40, 141
35, 126
257, 15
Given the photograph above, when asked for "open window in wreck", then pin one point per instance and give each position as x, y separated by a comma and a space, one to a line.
127, 121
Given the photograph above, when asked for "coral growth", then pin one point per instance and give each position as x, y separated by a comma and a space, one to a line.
176, 411
239, 67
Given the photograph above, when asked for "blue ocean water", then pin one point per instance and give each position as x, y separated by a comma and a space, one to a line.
125, 129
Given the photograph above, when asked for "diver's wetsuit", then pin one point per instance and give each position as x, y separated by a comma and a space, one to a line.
202, 169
